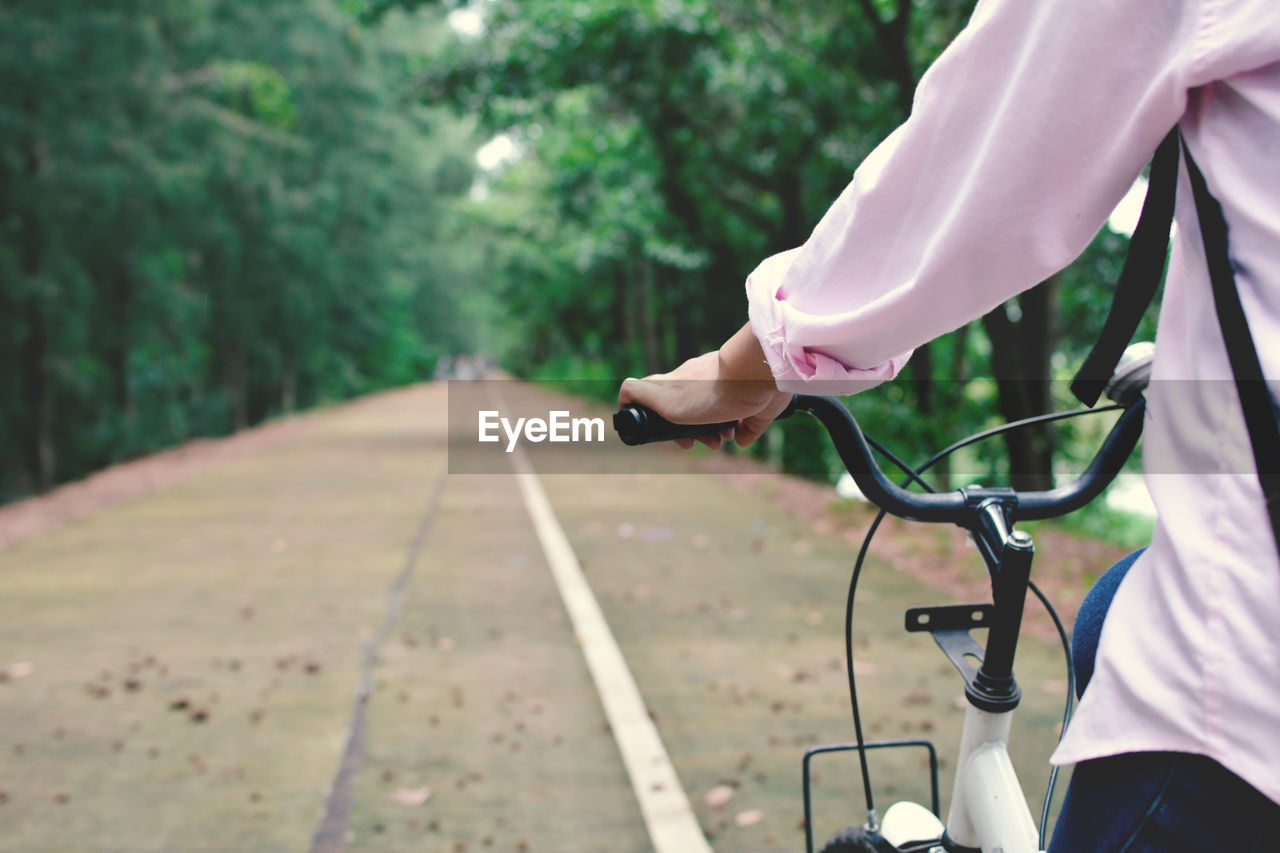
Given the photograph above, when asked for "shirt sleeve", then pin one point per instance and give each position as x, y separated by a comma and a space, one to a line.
1022, 138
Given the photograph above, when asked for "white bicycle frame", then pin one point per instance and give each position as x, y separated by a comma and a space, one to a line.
988, 809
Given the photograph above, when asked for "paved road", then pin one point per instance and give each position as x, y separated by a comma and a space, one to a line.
183, 671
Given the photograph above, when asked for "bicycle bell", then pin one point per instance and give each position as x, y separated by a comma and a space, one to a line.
1132, 373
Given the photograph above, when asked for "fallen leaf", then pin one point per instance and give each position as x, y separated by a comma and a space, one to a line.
719, 796
411, 796
656, 533
14, 671
749, 817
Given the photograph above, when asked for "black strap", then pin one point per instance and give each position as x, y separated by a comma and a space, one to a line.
1260, 416
1140, 276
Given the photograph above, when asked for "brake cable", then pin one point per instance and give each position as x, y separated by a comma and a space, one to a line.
914, 475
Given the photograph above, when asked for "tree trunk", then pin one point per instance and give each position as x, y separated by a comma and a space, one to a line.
38, 450
237, 387
648, 312
33, 352
1021, 346
288, 385
117, 345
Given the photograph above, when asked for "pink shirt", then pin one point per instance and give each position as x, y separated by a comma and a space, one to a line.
1023, 137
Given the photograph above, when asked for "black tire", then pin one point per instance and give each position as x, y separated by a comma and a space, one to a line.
856, 839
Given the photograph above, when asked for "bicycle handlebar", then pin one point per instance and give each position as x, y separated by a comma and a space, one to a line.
638, 425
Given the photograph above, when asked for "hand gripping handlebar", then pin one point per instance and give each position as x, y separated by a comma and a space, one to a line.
637, 425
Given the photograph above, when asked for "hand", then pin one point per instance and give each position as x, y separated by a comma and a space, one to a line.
731, 384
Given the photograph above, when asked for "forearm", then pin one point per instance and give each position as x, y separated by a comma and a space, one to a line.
742, 358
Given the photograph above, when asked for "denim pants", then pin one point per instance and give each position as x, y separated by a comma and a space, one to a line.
1144, 802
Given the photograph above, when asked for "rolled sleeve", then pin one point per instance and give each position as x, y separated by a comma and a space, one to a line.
797, 367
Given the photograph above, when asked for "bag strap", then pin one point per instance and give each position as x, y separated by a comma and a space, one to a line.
1260, 416
1139, 278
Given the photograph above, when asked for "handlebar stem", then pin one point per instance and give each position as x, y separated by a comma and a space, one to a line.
992, 521
993, 688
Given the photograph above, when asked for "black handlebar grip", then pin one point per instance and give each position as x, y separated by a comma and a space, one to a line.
638, 425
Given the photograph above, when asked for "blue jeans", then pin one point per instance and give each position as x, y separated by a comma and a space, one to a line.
1149, 802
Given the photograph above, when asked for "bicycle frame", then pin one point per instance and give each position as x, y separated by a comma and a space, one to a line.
988, 809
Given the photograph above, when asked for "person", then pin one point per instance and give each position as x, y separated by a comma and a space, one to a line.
1023, 136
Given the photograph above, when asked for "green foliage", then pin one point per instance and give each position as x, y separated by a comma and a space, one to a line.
669, 146
210, 213
1104, 523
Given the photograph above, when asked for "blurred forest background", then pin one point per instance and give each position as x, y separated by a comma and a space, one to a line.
215, 212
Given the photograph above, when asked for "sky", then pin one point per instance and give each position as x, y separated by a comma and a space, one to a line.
467, 22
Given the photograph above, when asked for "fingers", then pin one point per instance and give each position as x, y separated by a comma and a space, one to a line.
750, 429
637, 391
641, 392
690, 395
749, 432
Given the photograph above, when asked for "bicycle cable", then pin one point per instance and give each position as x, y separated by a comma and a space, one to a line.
914, 475
1066, 712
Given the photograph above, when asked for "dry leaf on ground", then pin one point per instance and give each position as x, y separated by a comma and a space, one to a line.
411, 796
719, 796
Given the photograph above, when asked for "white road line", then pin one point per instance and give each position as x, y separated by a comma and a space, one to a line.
669, 817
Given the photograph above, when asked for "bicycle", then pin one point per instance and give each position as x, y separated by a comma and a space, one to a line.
988, 810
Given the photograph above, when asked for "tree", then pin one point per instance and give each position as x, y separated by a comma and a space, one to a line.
670, 146
211, 213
